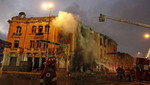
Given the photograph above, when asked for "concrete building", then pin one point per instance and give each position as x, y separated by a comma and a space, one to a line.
107, 52
25, 35
103, 48
3, 44
87, 47
125, 60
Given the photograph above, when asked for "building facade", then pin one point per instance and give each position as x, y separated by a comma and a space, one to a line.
25, 35
87, 47
96, 46
3, 44
125, 60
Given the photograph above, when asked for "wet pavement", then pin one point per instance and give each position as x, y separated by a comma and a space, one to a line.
68, 79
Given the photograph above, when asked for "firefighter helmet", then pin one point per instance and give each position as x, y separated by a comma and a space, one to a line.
50, 61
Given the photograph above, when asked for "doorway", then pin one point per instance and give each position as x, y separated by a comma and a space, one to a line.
13, 61
36, 64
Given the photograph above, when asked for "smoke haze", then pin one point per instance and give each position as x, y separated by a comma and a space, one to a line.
129, 37
66, 22
84, 36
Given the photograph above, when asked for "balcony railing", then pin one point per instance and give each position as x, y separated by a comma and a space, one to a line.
14, 50
38, 34
36, 50
17, 34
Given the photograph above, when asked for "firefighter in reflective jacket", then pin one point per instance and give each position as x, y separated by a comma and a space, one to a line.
48, 75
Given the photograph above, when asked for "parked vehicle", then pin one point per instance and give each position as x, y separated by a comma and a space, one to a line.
142, 69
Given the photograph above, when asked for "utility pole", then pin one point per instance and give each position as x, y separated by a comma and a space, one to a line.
48, 6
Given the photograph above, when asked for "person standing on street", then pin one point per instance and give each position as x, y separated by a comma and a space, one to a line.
48, 75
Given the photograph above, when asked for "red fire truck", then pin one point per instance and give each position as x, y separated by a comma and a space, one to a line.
142, 69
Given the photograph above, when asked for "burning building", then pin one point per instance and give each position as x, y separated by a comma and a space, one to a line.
88, 48
94, 49
25, 35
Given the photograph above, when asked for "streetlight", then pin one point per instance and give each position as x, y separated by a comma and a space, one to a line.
139, 53
147, 36
48, 6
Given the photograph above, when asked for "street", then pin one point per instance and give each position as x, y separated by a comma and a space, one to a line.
69, 79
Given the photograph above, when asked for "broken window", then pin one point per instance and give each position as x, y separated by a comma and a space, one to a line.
16, 43
33, 29
104, 41
47, 28
31, 43
18, 29
83, 32
109, 42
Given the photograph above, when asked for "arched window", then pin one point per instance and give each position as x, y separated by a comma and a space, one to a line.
18, 29
47, 28
33, 29
40, 29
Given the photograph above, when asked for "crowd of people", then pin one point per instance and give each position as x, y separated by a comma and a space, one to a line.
127, 74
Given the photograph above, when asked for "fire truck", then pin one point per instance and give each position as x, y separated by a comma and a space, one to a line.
142, 69
142, 65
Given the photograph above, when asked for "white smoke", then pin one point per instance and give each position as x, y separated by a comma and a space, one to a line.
85, 44
88, 44
66, 22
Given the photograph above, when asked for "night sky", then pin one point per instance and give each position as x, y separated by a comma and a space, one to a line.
129, 37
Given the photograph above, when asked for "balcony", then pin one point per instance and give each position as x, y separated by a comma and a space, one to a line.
39, 35
17, 35
15, 50
35, 50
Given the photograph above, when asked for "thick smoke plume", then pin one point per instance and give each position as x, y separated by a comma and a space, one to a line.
85, 46
66, 22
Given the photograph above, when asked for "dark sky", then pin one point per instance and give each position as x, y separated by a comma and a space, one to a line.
129, 37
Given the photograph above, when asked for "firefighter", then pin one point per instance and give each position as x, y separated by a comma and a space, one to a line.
128, 75
122, 74
118, 72
132, 73
48, 75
